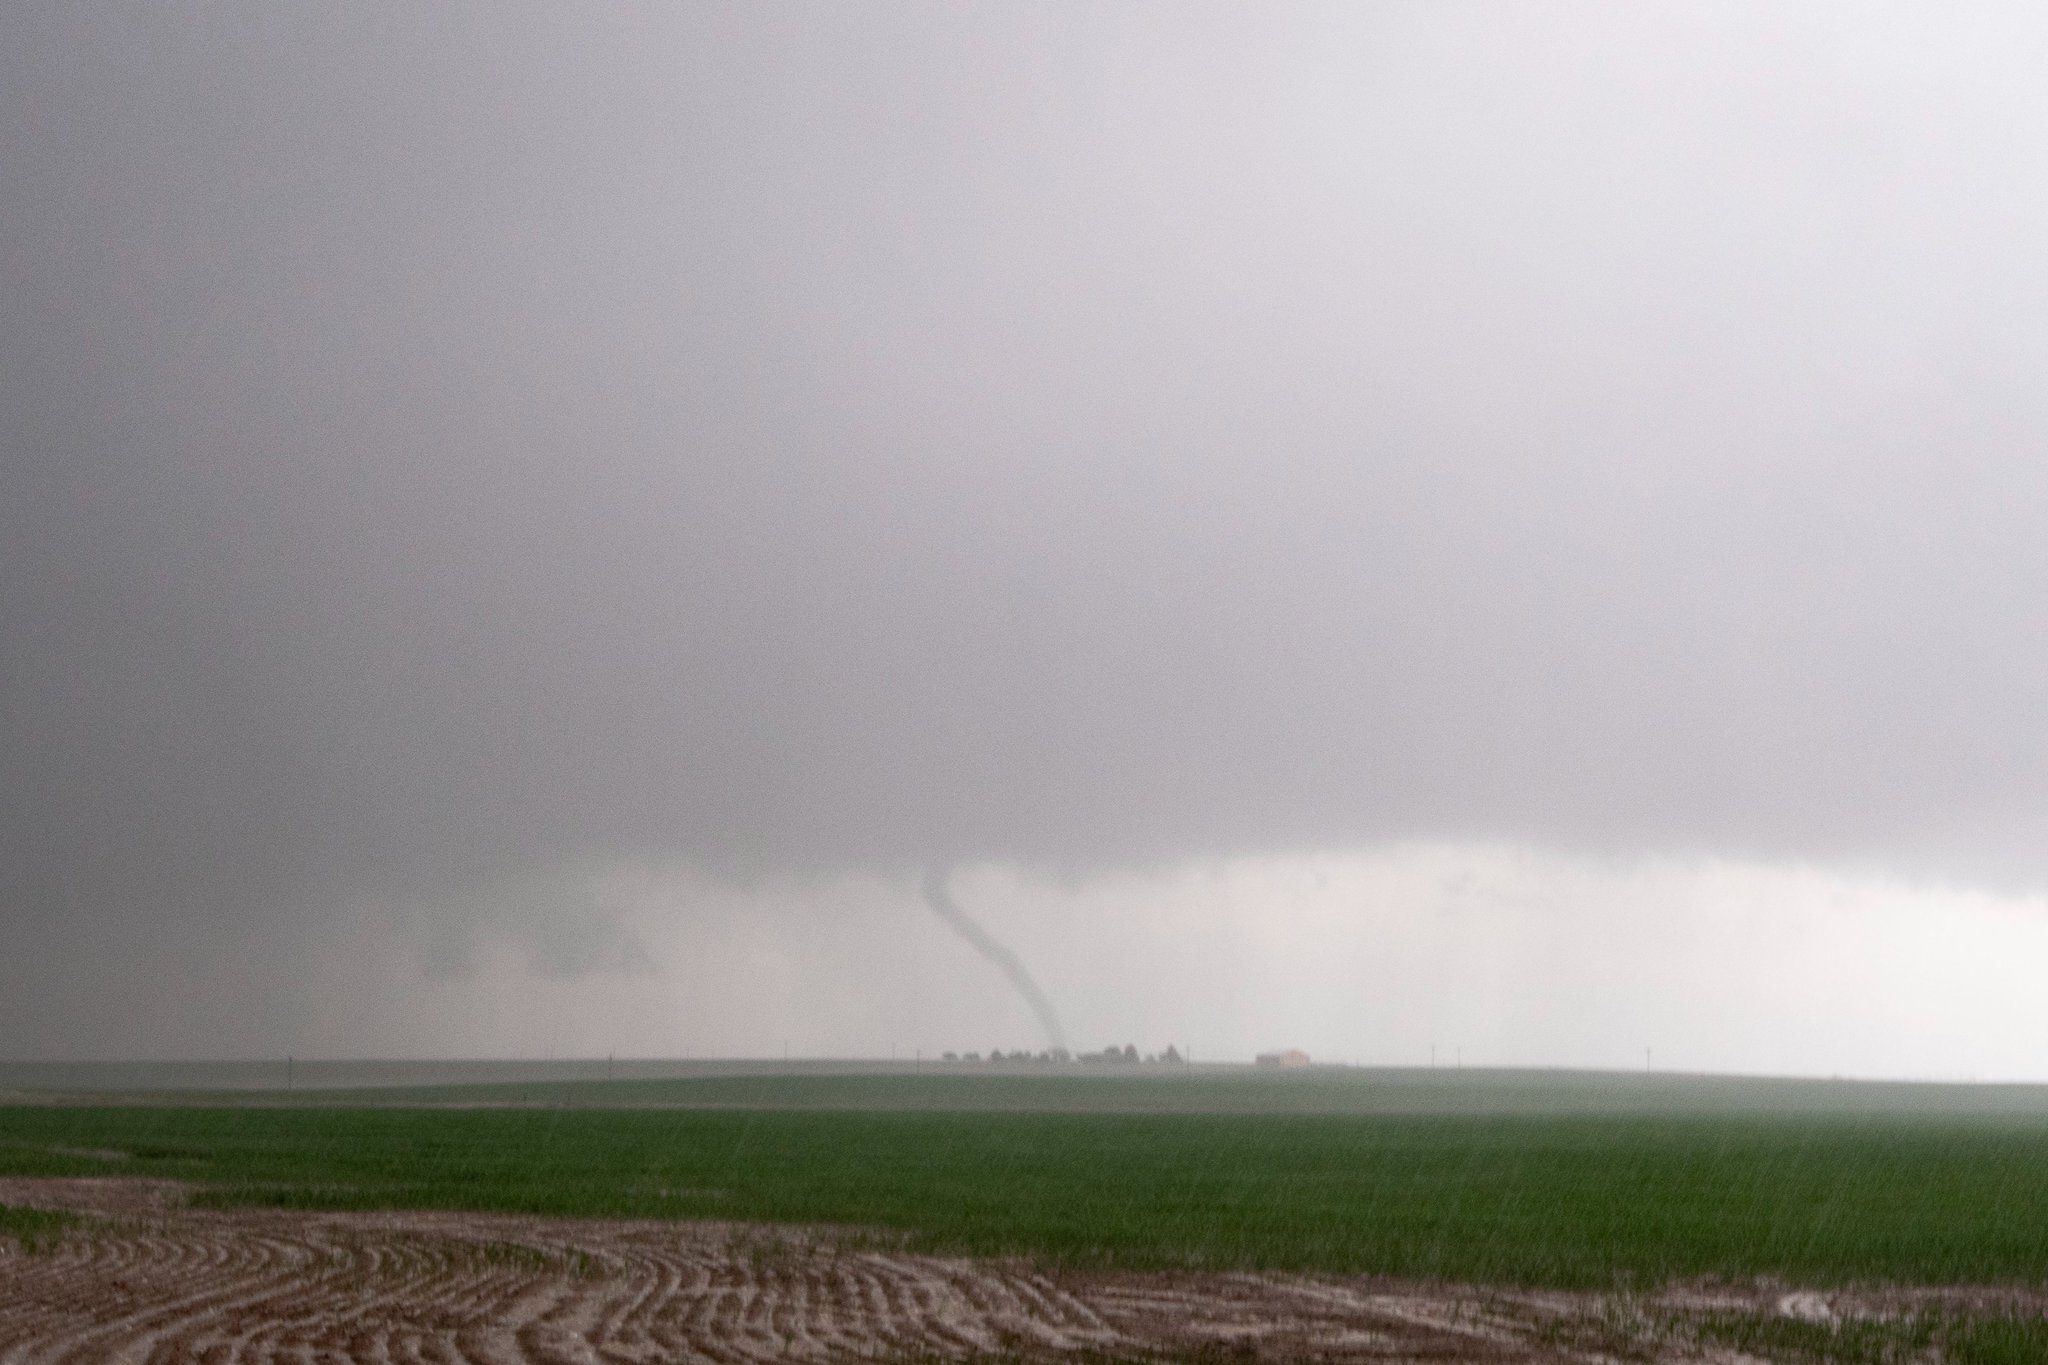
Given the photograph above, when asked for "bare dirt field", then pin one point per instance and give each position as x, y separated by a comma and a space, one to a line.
145, 1280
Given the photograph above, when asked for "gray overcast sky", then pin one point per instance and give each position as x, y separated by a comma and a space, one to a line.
444, 449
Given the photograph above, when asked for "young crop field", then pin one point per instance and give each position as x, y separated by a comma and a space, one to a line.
972, 1216
1571, 1201
34, 1230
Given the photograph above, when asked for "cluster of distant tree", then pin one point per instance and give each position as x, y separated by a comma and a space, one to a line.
1127, 1054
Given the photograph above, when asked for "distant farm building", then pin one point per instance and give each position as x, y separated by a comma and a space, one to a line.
1291, 1060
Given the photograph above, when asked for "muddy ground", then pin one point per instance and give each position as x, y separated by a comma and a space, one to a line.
144, 1279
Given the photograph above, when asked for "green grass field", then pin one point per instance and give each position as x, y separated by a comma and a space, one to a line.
34, 1230
1959, 1339
1585, 1200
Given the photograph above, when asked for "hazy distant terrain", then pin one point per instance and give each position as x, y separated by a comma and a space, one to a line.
1020, 1087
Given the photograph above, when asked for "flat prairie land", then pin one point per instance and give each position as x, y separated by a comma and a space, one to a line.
137, 1274
1583, 1222
1578, 1202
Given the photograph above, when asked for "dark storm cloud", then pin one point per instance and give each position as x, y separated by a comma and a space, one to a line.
444, 444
